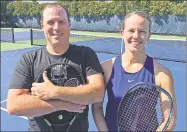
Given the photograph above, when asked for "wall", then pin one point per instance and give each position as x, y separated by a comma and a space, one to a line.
171, 25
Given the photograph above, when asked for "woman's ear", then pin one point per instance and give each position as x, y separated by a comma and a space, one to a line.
121, 32
41, 24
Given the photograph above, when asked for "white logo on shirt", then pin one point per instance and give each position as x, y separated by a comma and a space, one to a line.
60, 117
130, 80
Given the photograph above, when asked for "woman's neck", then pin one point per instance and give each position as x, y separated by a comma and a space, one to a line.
132, 58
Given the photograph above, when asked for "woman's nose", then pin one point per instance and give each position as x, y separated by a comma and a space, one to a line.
135, 34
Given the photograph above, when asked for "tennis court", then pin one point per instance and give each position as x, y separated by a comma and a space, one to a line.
163, 49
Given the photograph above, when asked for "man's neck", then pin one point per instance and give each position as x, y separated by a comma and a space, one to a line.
57, 49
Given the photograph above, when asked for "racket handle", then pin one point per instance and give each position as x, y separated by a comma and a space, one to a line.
71, 122
48, 123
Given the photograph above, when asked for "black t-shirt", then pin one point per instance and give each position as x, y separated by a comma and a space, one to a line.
34, 62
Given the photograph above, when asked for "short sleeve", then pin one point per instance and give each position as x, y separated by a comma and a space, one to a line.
92, 63
22, 77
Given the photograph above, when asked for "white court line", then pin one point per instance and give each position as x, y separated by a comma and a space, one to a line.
18, 116
172, 39
4, 109
3, 101
152, 37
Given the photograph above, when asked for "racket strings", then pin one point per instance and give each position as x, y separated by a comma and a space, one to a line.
137, 111
63, 75
72, 82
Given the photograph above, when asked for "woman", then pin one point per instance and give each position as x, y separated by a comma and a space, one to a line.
131, 67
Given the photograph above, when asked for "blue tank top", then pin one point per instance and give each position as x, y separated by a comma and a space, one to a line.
119, 83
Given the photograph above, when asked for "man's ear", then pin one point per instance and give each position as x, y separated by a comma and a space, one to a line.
69, 22
149, 36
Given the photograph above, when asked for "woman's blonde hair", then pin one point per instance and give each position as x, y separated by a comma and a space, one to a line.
139, 13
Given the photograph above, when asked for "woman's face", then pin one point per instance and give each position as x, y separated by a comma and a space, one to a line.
135, 33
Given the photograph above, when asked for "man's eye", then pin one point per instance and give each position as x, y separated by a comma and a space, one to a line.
51, 22
131, 31
62, 22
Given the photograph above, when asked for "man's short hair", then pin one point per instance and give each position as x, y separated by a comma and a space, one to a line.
54, 5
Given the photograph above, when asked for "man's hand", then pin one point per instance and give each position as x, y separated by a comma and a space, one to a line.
71, 107
45, 90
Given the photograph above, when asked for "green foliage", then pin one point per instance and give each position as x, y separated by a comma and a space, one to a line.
102, 9
33, 9
3, 6
64, 3
178, 8
82, 10
160, 8
73, 10
97, 9
20, 8
117, 8
4, 14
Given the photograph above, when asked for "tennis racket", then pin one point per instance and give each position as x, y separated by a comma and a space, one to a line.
144, 108
62, 74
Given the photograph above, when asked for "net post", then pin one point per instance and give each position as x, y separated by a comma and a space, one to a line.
31, 36
13, 39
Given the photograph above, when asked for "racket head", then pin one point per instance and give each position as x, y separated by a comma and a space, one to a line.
63, 74
141, 109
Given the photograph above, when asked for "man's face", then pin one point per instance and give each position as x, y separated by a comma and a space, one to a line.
135, 33
56, 26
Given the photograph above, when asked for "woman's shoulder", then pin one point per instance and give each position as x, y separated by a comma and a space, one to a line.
160, 68
161, 72
107, 68
108, 62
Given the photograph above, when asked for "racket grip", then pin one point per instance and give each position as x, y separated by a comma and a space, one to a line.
48, 123
71, 122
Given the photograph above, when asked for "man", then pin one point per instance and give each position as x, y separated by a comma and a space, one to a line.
46, 98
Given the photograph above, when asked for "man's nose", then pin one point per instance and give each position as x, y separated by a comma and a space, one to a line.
56, 26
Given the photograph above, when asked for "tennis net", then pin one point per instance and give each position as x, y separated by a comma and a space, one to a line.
169, 50
7, 35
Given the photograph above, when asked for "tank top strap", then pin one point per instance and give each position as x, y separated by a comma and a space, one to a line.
149, 65
117, 61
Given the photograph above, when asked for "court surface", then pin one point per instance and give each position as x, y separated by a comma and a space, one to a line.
14, 123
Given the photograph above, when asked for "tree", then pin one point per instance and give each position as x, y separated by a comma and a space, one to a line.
4, 14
